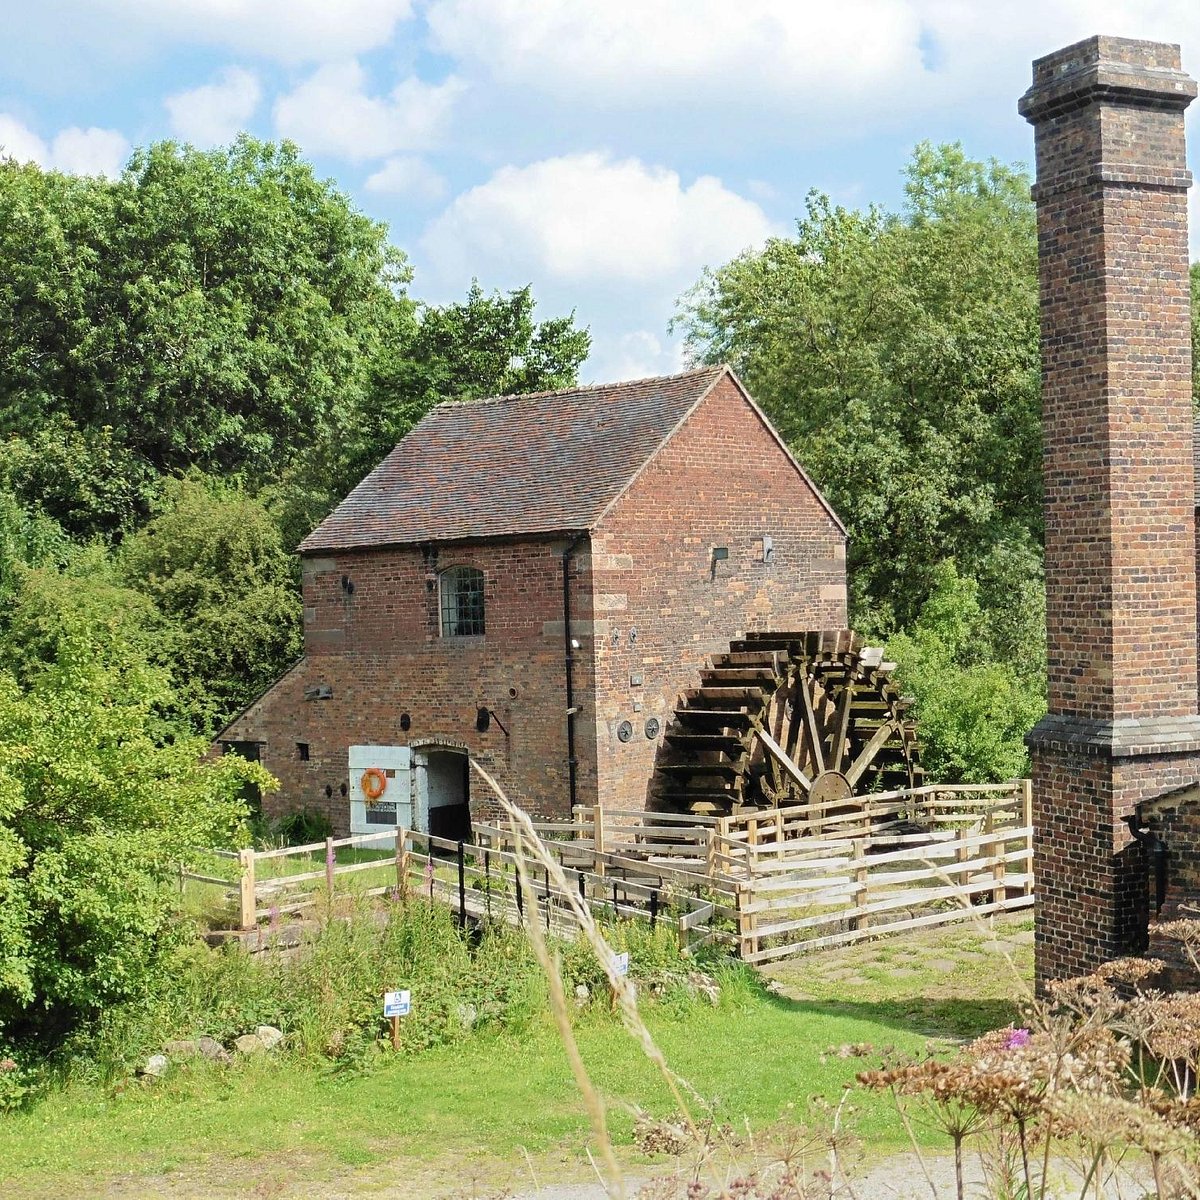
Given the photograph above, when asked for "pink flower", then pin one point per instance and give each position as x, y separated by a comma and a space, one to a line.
1017, 1039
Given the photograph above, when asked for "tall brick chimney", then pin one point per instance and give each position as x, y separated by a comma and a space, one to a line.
1120, 548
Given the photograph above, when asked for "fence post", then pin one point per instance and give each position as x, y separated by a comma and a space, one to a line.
779, 826
599, 846
247, 893
710, 863
747, 936
462, 887
330, 860
997, 847
1027, 822
860, 920
402, 865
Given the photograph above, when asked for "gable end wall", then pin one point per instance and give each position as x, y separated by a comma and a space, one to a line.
721, 480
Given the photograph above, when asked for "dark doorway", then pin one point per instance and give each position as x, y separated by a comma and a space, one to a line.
449, 778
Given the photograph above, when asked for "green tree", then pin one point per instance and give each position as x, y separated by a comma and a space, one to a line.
898, 354
486, 345
211, 309
1196, 334
974, 703
95, 810
225, 608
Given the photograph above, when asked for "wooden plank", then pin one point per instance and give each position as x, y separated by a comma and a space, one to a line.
853, 935
777, 753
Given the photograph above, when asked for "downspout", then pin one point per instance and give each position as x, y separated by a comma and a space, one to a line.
569, 649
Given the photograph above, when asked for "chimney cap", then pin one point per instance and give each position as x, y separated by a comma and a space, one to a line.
1107, 70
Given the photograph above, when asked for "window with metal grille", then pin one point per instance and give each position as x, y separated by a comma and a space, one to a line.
462, 602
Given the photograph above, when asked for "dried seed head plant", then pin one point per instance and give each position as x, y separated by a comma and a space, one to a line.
1101, 1077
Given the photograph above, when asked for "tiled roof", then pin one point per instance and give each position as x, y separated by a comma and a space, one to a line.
539, 463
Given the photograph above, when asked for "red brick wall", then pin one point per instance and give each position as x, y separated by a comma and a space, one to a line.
1120, 537
722, 480
380, 651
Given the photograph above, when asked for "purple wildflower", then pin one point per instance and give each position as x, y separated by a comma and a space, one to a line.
1017, 1039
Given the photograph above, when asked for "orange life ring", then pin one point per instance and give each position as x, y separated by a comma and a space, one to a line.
373, 783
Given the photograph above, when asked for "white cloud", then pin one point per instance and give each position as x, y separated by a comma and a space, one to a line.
638, 354
76, 151
331, 113
589, 218
286, 30
407, 176
709, 51
215, 112
797, 71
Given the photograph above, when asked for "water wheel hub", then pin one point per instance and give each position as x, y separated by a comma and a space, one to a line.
830, 785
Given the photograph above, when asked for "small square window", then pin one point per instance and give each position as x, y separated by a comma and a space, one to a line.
302, 751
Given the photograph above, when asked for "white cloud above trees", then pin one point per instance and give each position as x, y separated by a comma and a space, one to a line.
331, 112
216, 112
294, 31
76, 151
592, 218
408, 176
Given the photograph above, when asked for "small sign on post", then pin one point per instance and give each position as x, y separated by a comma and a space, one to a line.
621, 968
395, 1006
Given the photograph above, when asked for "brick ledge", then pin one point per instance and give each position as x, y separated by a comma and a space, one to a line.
1131, 737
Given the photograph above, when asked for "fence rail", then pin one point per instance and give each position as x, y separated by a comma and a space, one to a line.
766, 884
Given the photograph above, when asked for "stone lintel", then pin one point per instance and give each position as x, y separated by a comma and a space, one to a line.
1107, 70
1130, 737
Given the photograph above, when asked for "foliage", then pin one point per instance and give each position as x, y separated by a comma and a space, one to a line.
303, 826
96, 807
977, 679
212, 309
327, 996
898, 354
26, 540
226, 610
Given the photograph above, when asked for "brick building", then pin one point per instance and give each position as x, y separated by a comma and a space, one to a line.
1121, 613
532, 580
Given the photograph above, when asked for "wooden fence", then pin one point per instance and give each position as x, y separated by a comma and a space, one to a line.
478, 879
765, 884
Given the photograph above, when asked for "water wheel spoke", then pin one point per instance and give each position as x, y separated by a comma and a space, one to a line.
858, 768
841, 726
808, 713
775, 752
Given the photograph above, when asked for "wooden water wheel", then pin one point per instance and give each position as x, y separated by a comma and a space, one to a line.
786, 718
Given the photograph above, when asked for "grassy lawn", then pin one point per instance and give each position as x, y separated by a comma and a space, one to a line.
757, 1058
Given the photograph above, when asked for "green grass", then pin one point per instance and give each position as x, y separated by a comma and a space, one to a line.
758, 1057
491, 1095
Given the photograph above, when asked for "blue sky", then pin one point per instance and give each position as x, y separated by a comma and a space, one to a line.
603, 150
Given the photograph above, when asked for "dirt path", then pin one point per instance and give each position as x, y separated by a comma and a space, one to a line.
900, 1177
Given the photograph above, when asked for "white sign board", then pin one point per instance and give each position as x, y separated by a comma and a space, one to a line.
622, 962
397, 1004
